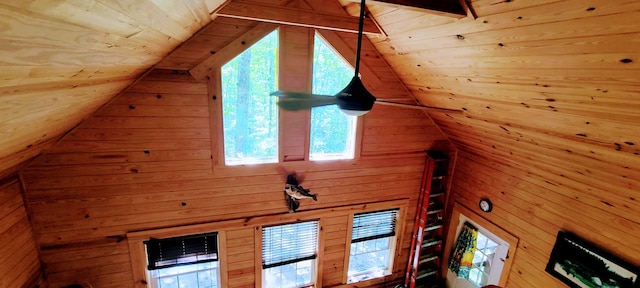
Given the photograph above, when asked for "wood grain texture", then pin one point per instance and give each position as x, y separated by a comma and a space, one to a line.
62, 60
21, 265
144, 161
549, 89
549, 132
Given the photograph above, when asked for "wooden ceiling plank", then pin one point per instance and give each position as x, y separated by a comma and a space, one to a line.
213, 5
587, 128
297, 17
149, 14
527, 25
232, 49
569, 61
20, 75
22, 52
48, 119
102, 18
185, 13
200, 11
36, 32
559, 164
568, 148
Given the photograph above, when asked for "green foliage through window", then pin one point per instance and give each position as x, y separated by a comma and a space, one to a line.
250, 114
332, 132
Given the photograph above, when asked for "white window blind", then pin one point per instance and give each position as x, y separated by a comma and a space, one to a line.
374, 225
289, 243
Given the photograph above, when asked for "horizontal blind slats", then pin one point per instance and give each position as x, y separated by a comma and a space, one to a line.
284, 244
374, 225
192, 249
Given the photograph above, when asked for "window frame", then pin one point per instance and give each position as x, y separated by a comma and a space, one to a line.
394, 243
355, 122
218, 110
138, 250
315, 261
138, 255
460, 212
214, 87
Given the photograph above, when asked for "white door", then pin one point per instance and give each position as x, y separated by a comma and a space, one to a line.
491, 251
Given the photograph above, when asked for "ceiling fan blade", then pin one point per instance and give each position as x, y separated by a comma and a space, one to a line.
295, 101
290, 94
416, 106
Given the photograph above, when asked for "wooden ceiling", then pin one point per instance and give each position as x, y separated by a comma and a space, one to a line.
545, 84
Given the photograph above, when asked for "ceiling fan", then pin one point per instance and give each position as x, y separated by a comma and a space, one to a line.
354, 99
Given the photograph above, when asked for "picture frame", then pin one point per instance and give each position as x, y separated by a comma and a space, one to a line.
580, 264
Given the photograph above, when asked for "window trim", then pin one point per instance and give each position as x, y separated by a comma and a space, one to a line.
317, 259
395, 243
138, 251
138, 255
461, 210
214, 88
356, 132
315, 280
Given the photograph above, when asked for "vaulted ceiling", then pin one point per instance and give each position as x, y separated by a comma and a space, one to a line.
546, 84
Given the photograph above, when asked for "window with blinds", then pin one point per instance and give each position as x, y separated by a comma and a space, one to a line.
188, 261
374, 225
288, 254
372, 240
192, 249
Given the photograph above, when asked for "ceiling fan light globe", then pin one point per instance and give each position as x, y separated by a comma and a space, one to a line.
354, 112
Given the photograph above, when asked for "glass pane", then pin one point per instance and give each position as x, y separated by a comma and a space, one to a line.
477, 258
203, 275
250, 114
481, 242
382, 243
188, 280
368, 259
289, 276
206, 279
332, 132
168, 282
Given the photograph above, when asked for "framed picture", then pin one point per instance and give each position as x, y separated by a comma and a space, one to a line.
582, 265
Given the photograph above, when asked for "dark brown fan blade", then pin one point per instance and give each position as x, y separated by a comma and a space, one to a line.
295, 101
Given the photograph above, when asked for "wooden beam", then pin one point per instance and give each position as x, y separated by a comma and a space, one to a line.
233, 49
449, 8
297, 17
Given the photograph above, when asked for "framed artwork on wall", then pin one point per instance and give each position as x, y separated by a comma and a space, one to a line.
580, 264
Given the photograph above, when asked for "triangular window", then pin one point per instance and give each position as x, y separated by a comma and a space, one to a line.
332, 133
250, 114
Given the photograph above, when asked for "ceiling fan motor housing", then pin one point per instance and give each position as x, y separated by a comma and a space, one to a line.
355, 97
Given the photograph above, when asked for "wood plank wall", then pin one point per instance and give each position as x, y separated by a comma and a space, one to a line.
20, 265
145, 162
534, 208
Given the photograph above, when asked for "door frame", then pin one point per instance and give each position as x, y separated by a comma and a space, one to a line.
512, 240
